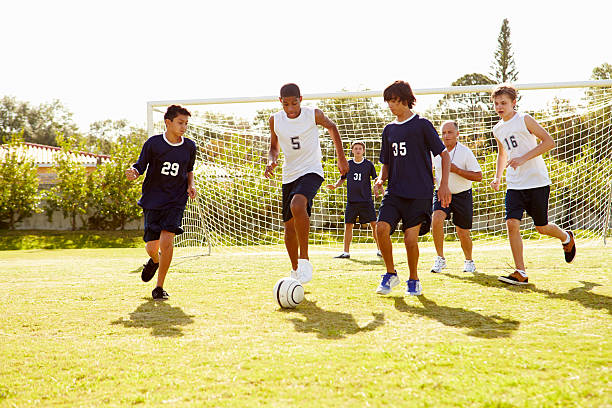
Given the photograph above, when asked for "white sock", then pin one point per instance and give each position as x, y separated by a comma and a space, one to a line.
567, 238
523, 273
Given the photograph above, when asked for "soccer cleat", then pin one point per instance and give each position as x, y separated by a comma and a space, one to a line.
304, 272
413, 287
343, 255
515, 278
148, 270
439, 264
388, 282
159, 294
469, 266
379, 254
569, 249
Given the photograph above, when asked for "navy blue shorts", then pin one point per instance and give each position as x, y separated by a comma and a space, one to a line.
532, 200
461, 206
364, 211
156, 221
412, 212
308, 185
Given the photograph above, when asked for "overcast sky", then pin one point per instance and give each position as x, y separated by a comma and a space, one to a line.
106, 59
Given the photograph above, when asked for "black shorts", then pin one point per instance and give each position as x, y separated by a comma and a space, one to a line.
532, 200
307, 185
364, 211
156, 221
461, 206
412, 212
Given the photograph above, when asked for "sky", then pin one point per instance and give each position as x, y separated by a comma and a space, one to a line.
106, 59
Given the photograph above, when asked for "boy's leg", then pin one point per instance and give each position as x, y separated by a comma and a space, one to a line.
166, 246
291, 243
301, 222
348, 236
411, 236
383, 230
437, 230
516, 242
466, 241
552, 230
152, 248
373, 226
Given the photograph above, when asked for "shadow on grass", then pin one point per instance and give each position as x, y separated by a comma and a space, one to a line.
378, 261
487, 327
162, 318
327, 324
582, 294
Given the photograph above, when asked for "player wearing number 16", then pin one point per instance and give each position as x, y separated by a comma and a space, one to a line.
294, 131
168, 160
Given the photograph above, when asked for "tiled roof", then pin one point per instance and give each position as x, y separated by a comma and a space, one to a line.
45, 155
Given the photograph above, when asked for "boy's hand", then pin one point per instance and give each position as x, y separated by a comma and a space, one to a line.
343, 166
270, 169
330, 186
514, 163
444, 195
131, 174
192, 192
495, 184
378, 187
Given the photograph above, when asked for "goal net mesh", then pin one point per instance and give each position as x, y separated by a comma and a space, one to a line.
238, 207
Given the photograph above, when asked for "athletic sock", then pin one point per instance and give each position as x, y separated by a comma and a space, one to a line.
567, 238
523, 273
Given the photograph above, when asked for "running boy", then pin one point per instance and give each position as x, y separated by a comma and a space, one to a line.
464, 169
168, 160
294, 130
527, 178
407, 145
359, 203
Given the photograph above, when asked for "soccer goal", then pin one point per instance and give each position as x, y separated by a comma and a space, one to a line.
238, 207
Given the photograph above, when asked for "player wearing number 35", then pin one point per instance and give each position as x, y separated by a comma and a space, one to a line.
294, 130
527, 178
168, 161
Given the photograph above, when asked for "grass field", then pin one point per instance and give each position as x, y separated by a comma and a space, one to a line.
79, 328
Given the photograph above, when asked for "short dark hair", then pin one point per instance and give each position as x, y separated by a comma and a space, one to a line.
505, 89
175, 110
290, 90
400, 90
358, 142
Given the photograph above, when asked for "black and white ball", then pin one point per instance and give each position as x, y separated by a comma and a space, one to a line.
288, 292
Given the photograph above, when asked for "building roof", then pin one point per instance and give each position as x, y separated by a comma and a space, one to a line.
45, 155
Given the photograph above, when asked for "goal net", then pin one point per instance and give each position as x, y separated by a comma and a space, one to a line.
238, 207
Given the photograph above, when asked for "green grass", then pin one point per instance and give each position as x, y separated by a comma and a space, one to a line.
43, 239
78, 328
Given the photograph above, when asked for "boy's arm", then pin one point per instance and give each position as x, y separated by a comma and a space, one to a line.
538, 131
273, 152
382, 177
500, 165
338, 184
140, 166
466, 174
322, 120
444, 194
191, 190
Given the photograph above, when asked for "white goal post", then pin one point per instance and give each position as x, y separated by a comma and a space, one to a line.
238, 207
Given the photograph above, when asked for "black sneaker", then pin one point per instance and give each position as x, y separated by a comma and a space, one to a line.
159, 294
514, 278
569, 249
148, 270
343, 255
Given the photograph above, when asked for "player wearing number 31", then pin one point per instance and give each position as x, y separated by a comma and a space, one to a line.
294, 130
168, 161
527, 178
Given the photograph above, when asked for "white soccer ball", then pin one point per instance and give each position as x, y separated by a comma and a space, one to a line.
288, 292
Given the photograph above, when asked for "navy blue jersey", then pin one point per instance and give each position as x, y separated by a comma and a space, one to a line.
358, 185
406, 149
167, 165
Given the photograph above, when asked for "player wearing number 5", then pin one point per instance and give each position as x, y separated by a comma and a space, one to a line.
527, 178
294, 131
168, 160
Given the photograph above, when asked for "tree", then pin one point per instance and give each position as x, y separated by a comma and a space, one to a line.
594, 95
103, 134
503, 67
19, 196
39, 124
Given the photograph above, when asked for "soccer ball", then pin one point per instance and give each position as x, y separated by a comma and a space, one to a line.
288, 292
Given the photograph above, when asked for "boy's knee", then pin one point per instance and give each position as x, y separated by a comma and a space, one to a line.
513, 224
438, 217
299, 203
382, 228
541, 228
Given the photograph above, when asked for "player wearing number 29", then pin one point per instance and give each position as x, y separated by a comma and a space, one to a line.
294, 130
405, 154
527, 178
168, 160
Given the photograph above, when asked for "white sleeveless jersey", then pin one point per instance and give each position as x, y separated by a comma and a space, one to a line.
299, 140
516, 139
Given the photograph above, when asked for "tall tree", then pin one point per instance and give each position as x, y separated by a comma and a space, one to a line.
594, 95
503, 67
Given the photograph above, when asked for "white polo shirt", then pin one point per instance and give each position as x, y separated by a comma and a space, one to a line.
462, 157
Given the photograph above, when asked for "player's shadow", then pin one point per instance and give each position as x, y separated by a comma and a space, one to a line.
378, 261
330, 325
483, 326
163, 319
582, 294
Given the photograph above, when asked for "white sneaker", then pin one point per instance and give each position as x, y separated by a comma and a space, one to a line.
439, 264
379, 254
304, 272
293, 274
388, 282
469, 266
